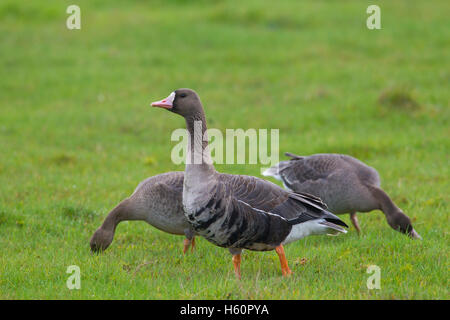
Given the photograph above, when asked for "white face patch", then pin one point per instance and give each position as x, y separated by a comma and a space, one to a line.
170, 98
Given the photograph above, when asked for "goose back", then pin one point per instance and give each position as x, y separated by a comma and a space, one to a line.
158, 201
341, 181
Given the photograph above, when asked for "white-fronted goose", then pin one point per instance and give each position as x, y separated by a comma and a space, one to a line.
236, 211
344, 183
157, 201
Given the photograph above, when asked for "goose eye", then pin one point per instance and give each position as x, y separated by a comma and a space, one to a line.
183, 95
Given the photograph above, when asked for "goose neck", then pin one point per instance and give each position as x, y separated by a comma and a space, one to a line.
116, 215
198, 154
385, 202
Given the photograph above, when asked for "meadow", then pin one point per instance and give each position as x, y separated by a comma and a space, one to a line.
77, 135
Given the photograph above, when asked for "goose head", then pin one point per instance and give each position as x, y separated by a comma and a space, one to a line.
401, 222
184, 102
101, 240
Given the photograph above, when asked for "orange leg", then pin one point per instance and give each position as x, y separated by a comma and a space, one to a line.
284, 265
237, 265
354, 220
186, 244
192, 244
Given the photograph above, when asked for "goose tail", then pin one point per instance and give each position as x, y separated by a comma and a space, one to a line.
334, 229
273, 171
327, 219
318, 226
293, 156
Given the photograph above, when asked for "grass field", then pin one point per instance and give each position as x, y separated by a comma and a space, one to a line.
77, 135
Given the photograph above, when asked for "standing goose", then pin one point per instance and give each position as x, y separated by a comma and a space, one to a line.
157, 201
344, 183
236, 211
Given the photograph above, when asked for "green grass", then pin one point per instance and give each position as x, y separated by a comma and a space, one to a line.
77, 135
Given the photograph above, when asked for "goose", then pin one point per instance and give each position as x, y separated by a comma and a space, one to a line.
157, 201
344, 183
238, 211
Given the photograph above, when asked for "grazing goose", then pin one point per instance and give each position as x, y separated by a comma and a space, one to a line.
236, 211
344, 183
157, 201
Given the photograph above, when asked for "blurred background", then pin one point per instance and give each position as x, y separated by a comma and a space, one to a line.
77, 133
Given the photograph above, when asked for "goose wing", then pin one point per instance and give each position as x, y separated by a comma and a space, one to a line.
266, 197
303, 170
315, 167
